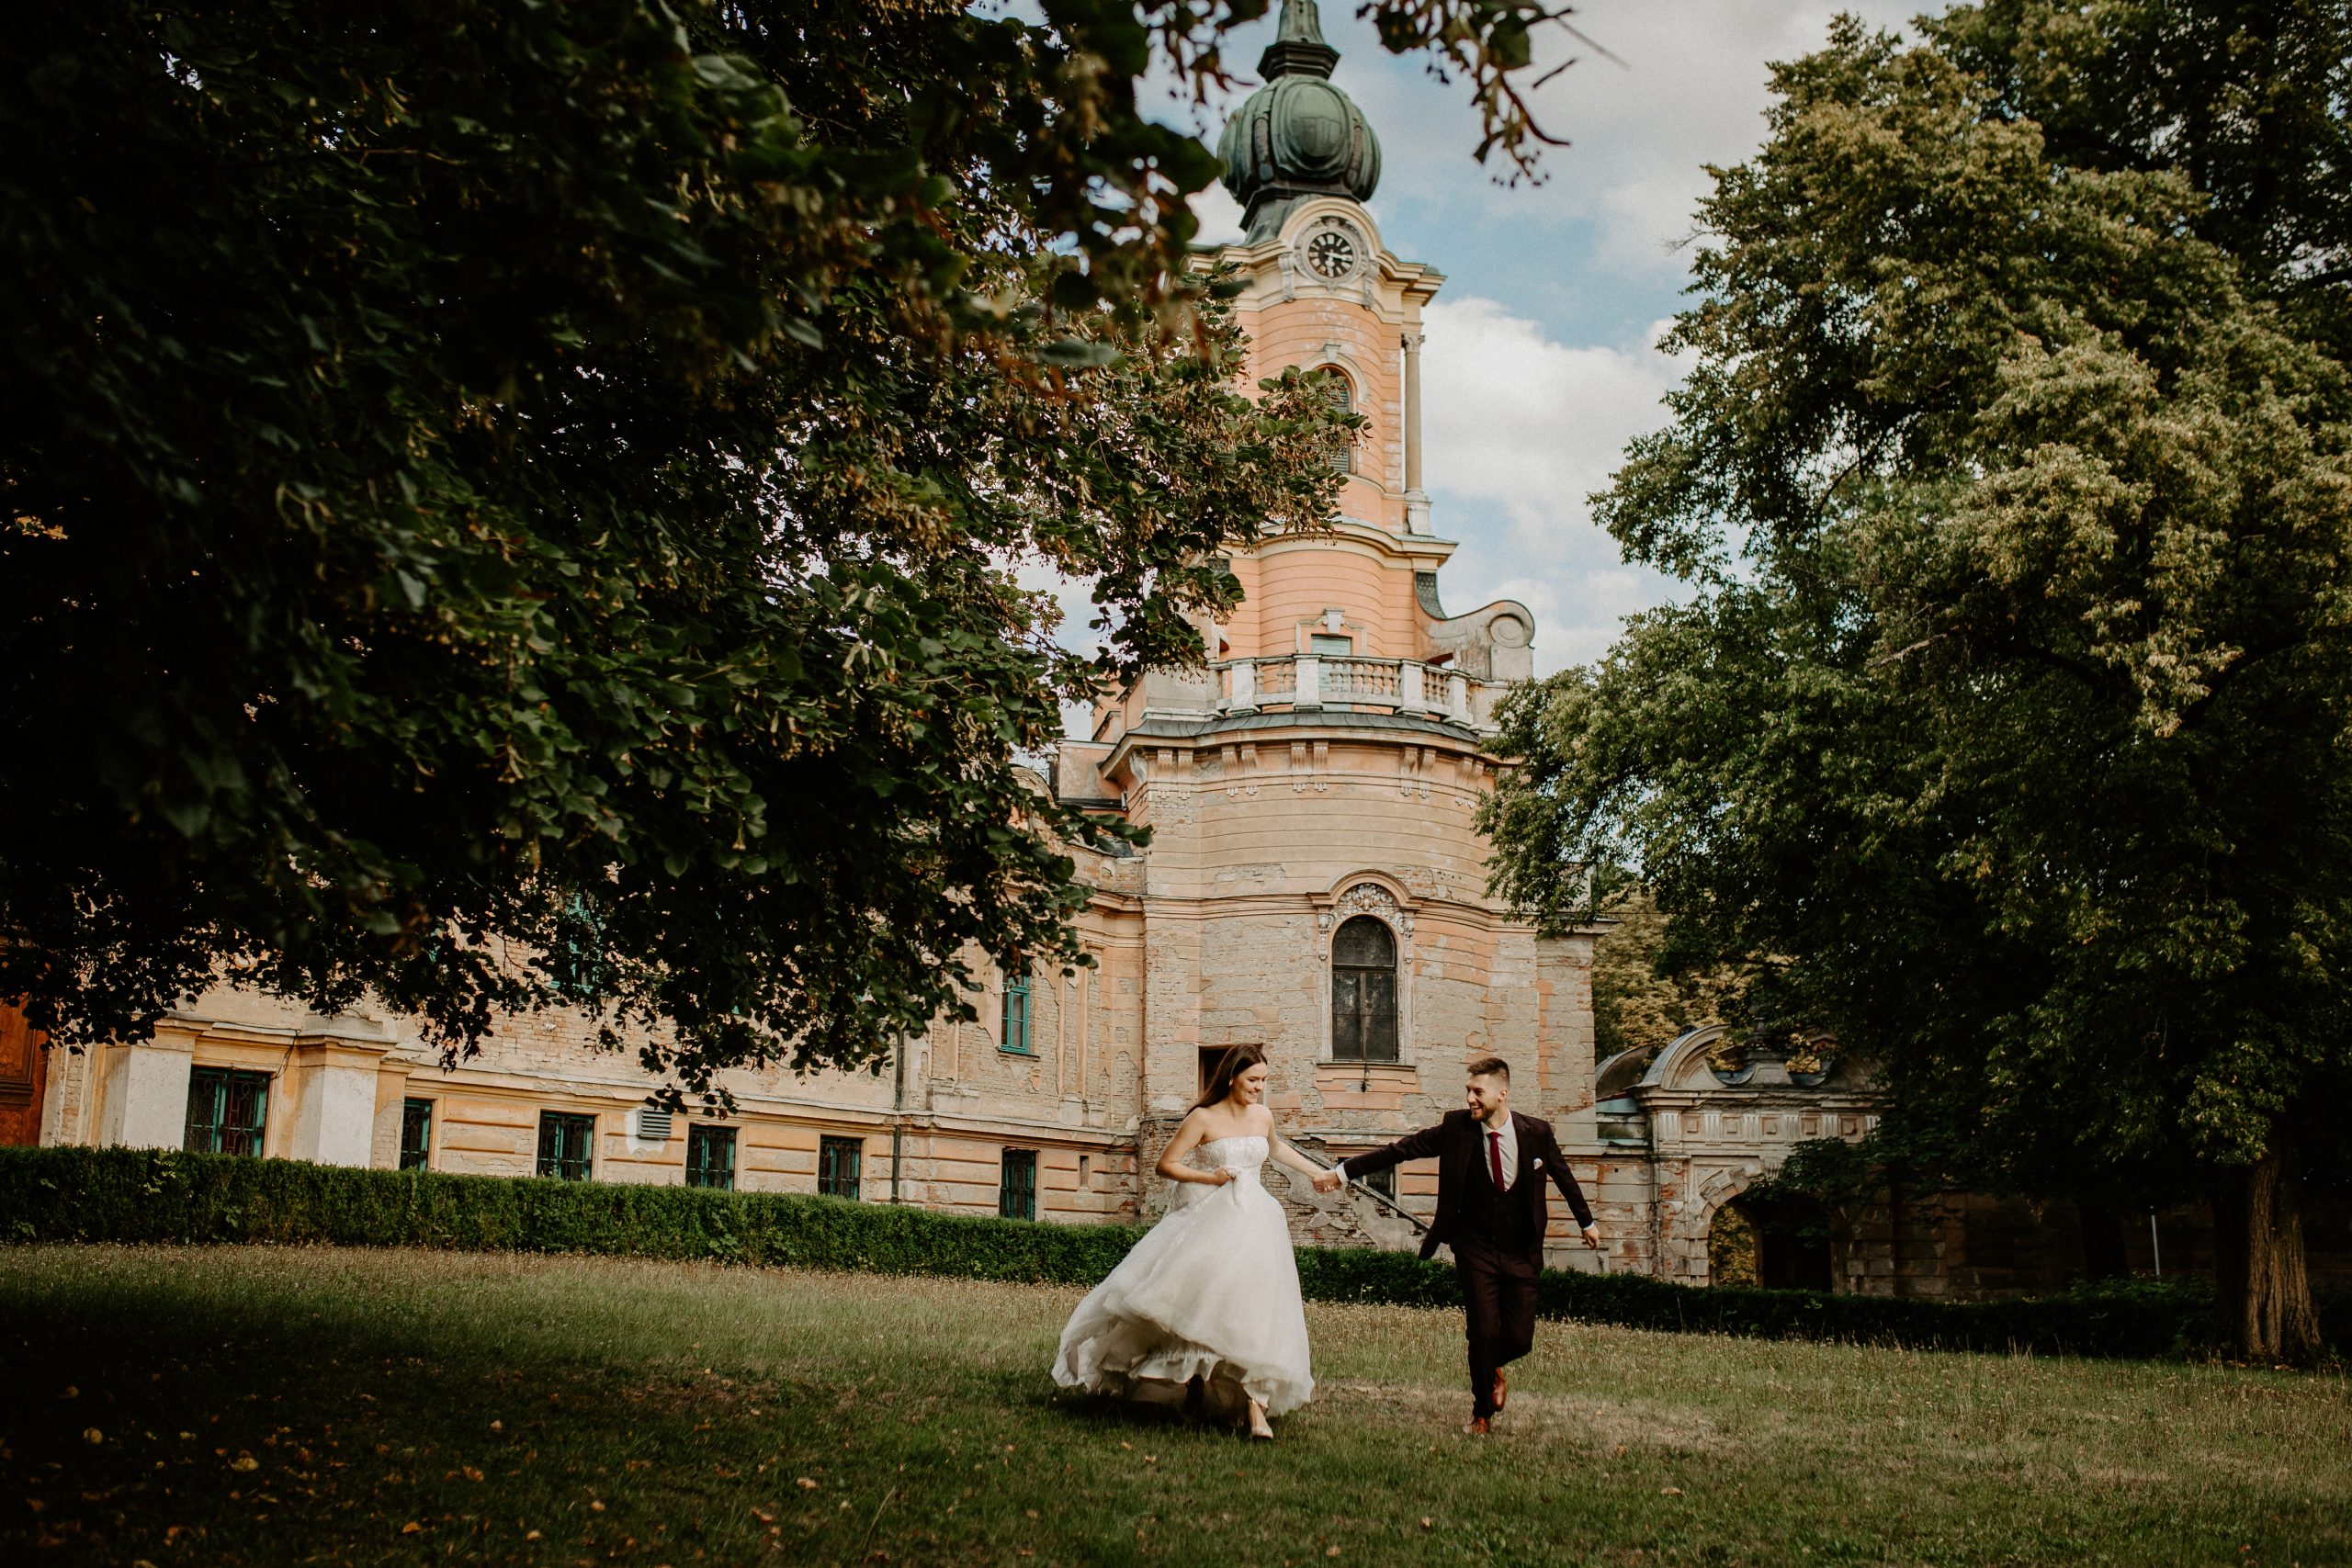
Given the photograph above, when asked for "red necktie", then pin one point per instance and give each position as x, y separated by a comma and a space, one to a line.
1495, 1157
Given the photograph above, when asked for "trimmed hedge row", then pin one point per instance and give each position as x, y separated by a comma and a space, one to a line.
134, 1195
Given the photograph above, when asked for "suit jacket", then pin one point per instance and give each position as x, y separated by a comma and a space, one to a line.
1458, 1145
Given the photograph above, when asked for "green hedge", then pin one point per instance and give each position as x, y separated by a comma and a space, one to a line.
133, 1195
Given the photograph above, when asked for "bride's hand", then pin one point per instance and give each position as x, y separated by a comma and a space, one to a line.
1220, 1175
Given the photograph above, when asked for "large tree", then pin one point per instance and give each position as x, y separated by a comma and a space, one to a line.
2004, 733
505, 505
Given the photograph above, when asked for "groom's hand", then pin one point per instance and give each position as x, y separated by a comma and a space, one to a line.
1328, 1181
1592, 1236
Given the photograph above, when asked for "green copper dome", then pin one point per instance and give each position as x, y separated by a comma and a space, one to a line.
1297, 136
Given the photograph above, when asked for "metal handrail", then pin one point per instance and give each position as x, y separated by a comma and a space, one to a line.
1382, 1199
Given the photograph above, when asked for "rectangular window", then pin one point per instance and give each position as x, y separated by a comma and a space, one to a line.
840, 1166
1383, 1182
1015, 1033
566, 1146
416, 1134
1017, 1193
226, 1110
1324, 647
710, 1157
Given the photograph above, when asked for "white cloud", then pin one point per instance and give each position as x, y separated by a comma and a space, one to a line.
1692, 91
1520, 430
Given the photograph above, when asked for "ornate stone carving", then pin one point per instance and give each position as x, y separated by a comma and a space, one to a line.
1367, 899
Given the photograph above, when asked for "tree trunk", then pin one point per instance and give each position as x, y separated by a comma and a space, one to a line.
2263, 1285
2103, 1255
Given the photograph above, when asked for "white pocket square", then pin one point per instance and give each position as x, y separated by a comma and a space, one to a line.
1539, 1165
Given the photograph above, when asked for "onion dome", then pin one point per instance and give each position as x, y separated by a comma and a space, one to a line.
1297, 136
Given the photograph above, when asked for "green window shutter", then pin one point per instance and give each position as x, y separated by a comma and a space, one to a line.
228, 1111
839, 1163
1015, 1021
566, 1146
710, 1157
416, 1134
1016, 1196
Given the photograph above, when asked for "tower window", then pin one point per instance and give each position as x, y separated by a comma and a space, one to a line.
1364, 992
1342, 395
1324, 647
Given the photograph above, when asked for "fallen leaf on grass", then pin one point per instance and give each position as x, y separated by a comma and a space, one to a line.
530, 1535
1428, 1523
806, 1484
471, 1473
412, 1527
245, 1461
595, 1506
1669, 1491
764, 1516
1330, 1552
92, 1434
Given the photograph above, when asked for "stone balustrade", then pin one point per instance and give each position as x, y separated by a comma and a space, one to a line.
1393, 685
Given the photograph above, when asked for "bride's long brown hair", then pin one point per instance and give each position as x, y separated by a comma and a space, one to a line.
1233, 1063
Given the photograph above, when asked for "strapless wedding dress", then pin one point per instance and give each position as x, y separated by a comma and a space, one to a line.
1210, 1292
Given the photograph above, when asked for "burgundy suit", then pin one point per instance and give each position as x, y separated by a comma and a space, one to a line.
1497, 1236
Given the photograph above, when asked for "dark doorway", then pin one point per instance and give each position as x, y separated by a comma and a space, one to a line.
1792, 1250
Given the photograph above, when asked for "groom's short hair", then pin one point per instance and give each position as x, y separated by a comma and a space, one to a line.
1490, 1067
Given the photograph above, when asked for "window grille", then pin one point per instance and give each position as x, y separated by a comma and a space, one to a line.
840, 1166
227, 1112
1014, 1033
566, 1146
416, 1134
1016, 1193
710, 1157
1325, 645
1364, 992
1383, 1182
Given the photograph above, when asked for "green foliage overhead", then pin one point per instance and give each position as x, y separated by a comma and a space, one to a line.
508, 505
2005, 734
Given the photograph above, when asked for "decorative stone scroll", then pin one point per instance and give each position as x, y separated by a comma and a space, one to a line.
1365, 898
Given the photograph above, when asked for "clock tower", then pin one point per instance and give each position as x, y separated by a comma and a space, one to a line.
1315, 883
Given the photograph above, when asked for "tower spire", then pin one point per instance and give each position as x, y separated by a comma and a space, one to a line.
1298, 49
1299, 136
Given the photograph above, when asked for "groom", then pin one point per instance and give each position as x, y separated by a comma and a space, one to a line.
1492, 1209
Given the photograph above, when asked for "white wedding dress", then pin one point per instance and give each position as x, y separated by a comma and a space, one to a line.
1210, 1292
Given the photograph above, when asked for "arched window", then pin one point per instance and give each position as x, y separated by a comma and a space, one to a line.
1364, 992
1342, 393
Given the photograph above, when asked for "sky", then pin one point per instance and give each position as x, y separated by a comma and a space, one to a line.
1540, 362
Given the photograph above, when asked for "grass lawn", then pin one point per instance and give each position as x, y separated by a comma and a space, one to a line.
228, 1405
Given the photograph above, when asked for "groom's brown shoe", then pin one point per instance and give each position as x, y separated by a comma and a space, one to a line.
1502, 1387
1476, 1428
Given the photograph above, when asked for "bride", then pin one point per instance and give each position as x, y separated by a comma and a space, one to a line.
1208, 1303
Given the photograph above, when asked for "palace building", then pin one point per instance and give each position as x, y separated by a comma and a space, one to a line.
1313, 884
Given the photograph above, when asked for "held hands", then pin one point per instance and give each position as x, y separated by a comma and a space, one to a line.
1328, 1181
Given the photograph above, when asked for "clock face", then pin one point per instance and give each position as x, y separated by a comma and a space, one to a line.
1332, 253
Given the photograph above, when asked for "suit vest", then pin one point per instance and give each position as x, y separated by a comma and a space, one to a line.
1499, 1218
